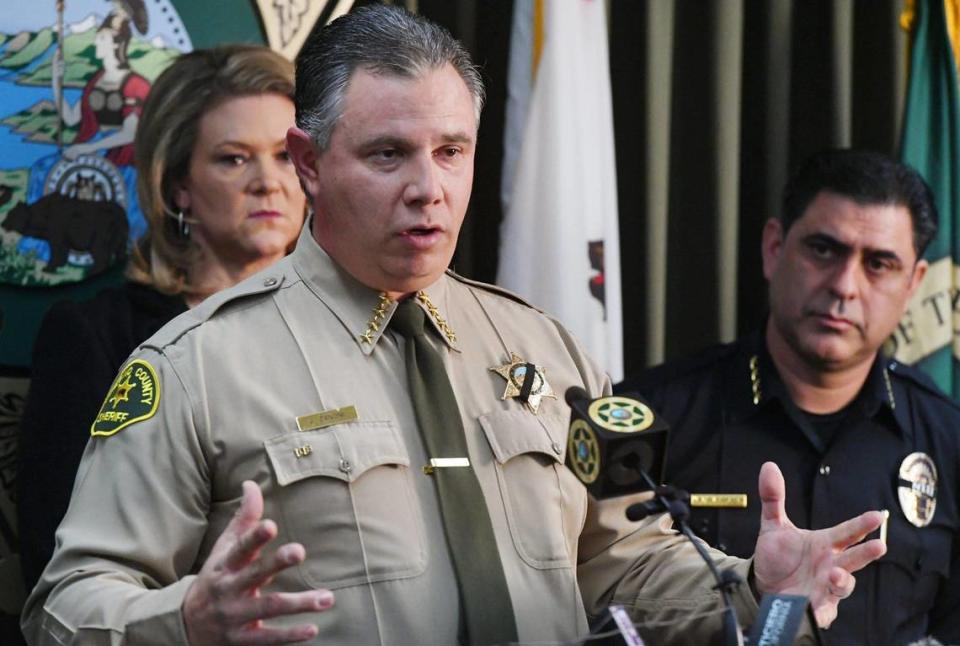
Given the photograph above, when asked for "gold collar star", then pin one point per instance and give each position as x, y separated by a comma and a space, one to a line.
528, 389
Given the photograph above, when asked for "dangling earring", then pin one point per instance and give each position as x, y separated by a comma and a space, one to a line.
183, 227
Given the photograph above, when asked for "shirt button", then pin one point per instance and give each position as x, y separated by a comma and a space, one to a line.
556, 448
825, 469
722, 547
345, 465
269, 282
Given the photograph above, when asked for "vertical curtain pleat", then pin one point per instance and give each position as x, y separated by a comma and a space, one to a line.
842, 63
727, 88
658, 54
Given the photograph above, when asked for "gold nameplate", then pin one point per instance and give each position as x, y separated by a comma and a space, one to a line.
445, 463
726, 500
327, 418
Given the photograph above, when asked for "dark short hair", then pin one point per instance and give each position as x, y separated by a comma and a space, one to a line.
381, 39
865, 177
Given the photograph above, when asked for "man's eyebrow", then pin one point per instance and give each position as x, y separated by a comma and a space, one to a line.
392, 141
384, 141
842, 247
828, 240
460, 137
885, 254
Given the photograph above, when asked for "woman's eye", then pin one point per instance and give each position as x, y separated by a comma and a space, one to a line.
232, 160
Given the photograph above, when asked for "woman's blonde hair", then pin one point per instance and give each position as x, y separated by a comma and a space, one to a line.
191, 86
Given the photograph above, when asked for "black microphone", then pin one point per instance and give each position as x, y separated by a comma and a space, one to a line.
613, 442
616, 446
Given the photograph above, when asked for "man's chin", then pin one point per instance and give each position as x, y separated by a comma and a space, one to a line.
409, 284
831, 357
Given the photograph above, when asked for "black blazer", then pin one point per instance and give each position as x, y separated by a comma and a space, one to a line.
78, 351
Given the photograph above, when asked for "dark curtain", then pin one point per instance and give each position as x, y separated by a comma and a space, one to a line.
715, 102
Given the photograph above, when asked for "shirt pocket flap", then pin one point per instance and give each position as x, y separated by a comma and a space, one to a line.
344, 452
919, 550
512, 433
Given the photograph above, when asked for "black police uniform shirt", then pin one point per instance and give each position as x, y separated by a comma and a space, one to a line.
730, 412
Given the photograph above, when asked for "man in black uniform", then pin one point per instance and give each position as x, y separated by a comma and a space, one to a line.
811, 390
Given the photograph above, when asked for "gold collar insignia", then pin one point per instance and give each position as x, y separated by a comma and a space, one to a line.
376, 318
435, 315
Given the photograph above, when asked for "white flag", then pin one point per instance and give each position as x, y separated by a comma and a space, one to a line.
560, 245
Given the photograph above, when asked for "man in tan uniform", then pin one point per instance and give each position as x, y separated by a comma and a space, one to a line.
286, 398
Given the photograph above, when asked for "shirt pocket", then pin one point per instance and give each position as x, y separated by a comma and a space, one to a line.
916, 564
544, 503
346, 493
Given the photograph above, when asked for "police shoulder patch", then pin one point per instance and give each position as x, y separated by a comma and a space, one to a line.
132, 398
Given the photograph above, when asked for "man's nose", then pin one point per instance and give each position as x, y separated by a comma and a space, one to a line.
846, 279
423, 183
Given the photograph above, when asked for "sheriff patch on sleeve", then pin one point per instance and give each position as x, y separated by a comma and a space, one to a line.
133, 397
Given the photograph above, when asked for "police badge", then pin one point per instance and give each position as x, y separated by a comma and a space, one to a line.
525, 381
917, 488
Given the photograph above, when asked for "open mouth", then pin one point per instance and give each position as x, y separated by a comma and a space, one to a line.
422, 238
421, 231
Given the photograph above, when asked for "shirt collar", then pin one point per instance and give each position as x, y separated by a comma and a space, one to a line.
754, 383
365, 312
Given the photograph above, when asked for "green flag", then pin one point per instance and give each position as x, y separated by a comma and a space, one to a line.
927, 335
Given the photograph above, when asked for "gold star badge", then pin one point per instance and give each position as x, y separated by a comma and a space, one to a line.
525, 381
121, 392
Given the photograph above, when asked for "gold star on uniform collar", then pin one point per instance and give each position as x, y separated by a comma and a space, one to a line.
515, 372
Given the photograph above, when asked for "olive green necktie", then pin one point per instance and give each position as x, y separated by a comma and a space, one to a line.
483, 586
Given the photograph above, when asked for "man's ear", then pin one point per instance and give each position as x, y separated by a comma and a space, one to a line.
919, 271
771, 245
304, 155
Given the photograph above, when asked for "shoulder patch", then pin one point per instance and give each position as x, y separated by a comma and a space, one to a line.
133, 397
495, 289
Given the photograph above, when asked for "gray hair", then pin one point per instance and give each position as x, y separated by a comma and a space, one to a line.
380, 39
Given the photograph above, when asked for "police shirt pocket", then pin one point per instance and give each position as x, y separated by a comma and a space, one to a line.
543, 501
346, 493
916, 562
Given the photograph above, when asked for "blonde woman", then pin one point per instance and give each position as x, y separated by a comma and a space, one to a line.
221, 200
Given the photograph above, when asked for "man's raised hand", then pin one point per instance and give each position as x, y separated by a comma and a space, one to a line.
816, 564
224, 604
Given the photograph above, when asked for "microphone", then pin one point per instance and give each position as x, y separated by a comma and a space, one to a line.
616, 446
614, 442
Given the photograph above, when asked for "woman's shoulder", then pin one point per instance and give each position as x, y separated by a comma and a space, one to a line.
128, 313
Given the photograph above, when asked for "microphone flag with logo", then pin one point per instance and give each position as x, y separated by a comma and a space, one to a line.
611, 440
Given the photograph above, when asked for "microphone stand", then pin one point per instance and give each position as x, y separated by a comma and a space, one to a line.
670, 499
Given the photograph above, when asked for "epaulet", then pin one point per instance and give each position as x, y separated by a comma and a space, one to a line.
494, 289
677, 369
920, 379
261, 283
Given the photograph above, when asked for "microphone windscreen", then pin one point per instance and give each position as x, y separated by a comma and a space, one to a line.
575, 394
